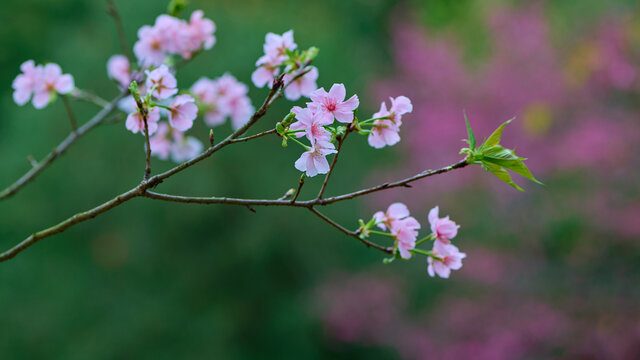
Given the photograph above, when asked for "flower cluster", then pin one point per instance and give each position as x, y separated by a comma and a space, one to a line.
221, 98
403, 228
387, 124
173, 36
169, 141
42, 82
314, 121
278, 52
160, 88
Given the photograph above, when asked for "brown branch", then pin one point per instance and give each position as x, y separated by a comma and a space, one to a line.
60, 149
64, 225
300, 185
247, 138
405, 182
88, 96
113, 11
333, 162
308, 203
72, 118
353, 234
147, 169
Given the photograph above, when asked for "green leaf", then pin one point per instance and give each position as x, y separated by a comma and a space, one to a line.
494, 139
472, 138
509, 160
501, 174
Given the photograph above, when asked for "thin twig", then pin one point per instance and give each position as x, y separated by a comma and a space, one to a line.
113, 11
404, 182
61, 148
300, 184
333, 162
353, 234
72, 118
88, 96
147, 169
247, 138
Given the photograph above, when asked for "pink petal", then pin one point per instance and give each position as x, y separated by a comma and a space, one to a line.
337, 92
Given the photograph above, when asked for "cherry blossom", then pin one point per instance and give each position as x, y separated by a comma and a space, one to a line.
331, 104
202, 30
119, 69
25, 84
160, 142
185, 148
450, 258
135, 121
52, 81
385, 131
149, 49
312, 125
224, 97
405, 232
443, 228
173, 36
183, 112
395, 211
276, 46
162, 82
268, 69
314, 161
304, 85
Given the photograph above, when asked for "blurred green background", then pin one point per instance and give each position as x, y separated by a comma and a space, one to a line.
151, 280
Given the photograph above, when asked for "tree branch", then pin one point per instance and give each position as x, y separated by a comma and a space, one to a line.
72, 118
353, 234
247, 138
333, 162
113, 11
89, 96
61, 148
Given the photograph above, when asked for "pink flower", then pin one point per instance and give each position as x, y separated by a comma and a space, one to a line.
224, 97
202, 30
240, 110
332, 105
450, 259
135, 122
396, 211
183, 112
205, 90
52, 81
276, 46
25, 84
385, 131
302, 86
314, 161
443, 228
150, 47
311, 124
164, 82
268, 69
119, 69
185, 148
405, 232
160, 143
